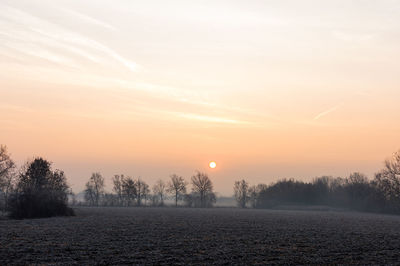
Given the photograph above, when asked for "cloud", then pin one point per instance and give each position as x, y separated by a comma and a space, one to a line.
39, 52
89, 19
25, 35
23, 29
181, 99
324, 113
212, 119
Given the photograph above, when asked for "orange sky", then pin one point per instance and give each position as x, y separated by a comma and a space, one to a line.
267, 89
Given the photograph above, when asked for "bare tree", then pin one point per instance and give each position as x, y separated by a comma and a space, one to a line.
7, 174
202, 185
159, 190
357, 178
142, 190
146, 193
6, 163
254, 193
90, 194
177, 187
388, 179
118, 181
241, 189
95, 188
129, 190
253, 196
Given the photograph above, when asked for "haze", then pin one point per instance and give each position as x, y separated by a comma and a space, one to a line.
266, 89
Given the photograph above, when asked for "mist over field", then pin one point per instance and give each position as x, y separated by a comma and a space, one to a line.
202, 236
199, 132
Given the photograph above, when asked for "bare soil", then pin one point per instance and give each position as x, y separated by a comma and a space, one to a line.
202, 236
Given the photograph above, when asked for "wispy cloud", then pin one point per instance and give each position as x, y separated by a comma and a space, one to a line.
212, 119
38, 31
45, 54
88, 19
326, 112
27, 35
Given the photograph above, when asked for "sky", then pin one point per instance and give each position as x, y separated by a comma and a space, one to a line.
266, 89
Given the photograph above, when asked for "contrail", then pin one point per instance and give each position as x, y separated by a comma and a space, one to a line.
318, 116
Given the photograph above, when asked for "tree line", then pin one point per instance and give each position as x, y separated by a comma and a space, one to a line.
128, 191
36, 190
357, 192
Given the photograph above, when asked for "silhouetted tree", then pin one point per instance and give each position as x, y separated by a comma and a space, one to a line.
90, 194
142, 190
146, 193
118, 181
289, 191
159, 190
241, 190
203, 188
388, 182
40, 192
94, 189
177, 187
129, 190
7, 176
253, 195
320, 191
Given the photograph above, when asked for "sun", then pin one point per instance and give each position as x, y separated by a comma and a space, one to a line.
213, 165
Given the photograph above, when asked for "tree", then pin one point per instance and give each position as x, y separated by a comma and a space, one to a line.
357, 178
90, 194
7, 175
40, 192
203, 187
159, 189
142, 190
388, 181
177, 187
241, 189
253, 195
94, 189
129, 190
118, 181
146, 193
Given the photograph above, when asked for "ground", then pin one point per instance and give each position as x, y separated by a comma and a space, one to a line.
201, 236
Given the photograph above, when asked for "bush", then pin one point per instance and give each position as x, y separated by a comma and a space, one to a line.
40, 192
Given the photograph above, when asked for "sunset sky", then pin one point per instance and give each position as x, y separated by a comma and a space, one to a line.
266, 89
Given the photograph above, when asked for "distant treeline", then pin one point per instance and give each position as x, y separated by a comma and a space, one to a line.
128, 191
357, 192
38, 191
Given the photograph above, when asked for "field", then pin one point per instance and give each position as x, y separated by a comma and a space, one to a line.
201, 236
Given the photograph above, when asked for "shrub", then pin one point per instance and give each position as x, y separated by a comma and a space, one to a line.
40, 192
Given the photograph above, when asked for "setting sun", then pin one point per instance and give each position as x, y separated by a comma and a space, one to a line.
213, 165
110, 111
